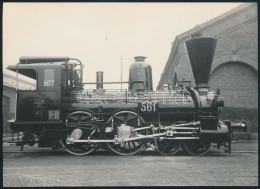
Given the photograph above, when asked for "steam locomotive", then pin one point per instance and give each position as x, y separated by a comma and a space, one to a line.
62, 113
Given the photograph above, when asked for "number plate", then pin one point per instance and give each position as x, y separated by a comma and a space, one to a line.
148, 107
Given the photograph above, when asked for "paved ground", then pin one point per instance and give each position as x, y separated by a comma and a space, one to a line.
44, 167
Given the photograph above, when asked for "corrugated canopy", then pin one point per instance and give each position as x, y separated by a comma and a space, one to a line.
29, 72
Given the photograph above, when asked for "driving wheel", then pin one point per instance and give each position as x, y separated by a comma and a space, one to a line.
80, 128
120, 123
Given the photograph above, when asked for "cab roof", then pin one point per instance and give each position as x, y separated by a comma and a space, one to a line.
40, 59
29, 65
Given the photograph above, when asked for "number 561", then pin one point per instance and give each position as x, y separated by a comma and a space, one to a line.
148, 107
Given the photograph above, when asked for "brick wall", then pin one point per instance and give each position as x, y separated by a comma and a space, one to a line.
237, 37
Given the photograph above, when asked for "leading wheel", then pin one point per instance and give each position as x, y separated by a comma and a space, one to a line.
127, 118
168, 147
196, 147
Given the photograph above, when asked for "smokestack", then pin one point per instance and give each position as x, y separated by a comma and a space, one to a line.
201, 52
99, 79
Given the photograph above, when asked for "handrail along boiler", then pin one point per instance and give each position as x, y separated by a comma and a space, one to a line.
61, 113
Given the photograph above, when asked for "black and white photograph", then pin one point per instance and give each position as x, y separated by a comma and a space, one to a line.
123, 94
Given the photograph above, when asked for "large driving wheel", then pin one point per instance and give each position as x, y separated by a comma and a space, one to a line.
131, 119
196, 147
80, 128
168, 147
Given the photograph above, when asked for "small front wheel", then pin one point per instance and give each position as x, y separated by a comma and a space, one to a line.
168, 147
196, 147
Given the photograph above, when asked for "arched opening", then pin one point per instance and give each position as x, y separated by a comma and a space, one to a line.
238, 83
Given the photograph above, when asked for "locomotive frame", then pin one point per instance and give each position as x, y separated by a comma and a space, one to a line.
61, 113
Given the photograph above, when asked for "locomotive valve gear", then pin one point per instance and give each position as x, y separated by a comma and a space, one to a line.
169, 133
142, 128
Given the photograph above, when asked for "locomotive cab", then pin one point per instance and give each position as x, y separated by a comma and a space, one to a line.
41, 106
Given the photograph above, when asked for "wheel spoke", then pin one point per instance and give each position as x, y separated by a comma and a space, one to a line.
196, 147
129, 119
168, 147
80, 148
134, 144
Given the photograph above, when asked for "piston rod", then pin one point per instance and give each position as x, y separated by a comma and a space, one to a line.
72, 140
180, 138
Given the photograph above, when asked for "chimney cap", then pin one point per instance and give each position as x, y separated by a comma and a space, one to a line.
139, 58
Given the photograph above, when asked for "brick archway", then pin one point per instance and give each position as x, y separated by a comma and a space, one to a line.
235, 58
238, 82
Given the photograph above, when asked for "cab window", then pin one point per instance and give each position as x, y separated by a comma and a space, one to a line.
48, 77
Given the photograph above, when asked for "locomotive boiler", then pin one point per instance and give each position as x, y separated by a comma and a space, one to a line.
65, 112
